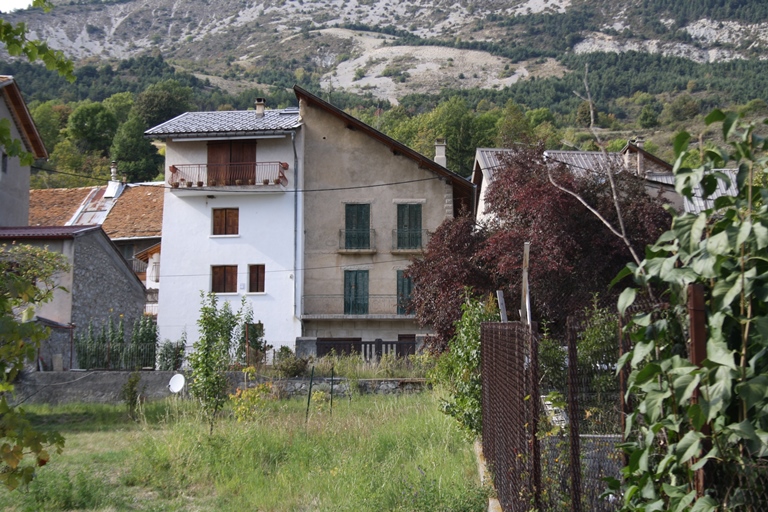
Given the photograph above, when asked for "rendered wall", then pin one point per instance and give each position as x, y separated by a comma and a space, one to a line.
266, 236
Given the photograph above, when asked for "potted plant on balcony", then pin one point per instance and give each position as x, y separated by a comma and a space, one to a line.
238, 182
251, 181
175, 184
277, 181
211, 183
189, 184
199, 183
266, 181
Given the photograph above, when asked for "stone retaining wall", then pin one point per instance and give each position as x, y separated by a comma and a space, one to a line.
104, 387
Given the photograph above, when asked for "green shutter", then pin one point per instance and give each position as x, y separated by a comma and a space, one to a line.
357, 226
355, 292
404, 290
408, 226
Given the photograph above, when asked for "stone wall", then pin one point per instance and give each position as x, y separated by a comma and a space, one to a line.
104, 286
105, 386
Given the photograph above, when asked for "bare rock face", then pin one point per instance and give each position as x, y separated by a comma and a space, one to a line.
359, 45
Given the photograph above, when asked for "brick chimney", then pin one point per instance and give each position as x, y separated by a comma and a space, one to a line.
260, 106
440, 152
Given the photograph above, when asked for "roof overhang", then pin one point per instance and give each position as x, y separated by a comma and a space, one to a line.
21, 116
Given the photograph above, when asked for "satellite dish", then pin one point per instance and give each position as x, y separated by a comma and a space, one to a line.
177, 383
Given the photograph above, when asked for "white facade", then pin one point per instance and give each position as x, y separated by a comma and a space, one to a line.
270, 223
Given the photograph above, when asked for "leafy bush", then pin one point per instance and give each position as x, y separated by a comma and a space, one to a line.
289, 366
131, 394
248, 404
171, 356
458, 370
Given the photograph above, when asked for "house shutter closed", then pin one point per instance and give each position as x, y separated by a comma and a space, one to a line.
224, 279
243, 160
357, 225
218, 160
355, 292
408, 226
219, 222
256, 278
404, 290
232, 222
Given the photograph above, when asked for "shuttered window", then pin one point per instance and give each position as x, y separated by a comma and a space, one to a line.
357, 225
355, 292
226, 221
229, 161
224, 279
256, 278
409, 226
404, 291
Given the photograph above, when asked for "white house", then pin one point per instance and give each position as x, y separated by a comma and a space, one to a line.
232, 218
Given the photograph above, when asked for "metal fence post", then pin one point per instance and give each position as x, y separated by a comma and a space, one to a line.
573, 417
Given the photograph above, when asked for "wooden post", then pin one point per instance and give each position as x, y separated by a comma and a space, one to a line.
525, 299
502, 306
697, 353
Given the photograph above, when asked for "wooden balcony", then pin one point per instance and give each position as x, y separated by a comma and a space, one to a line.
249, 175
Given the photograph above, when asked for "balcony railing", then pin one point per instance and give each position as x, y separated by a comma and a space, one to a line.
409, 240
225, 175
357, 240
336, 305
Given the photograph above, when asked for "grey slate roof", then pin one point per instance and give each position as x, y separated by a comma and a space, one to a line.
226, 123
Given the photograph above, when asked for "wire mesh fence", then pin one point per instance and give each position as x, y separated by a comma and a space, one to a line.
117, 356
552, 415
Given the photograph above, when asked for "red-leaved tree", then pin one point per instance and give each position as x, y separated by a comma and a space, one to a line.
573, 254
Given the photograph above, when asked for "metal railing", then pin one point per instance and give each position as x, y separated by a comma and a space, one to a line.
138, 266
232, 174
369, 350
409, 239
357, 239
335, 305
118, 356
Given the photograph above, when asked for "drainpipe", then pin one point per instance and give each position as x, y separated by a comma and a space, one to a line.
295, 223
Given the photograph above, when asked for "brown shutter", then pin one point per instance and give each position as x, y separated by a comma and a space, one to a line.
256, 279
217, 279
233, 221
218, 161
243, 160
231, 279
219, 222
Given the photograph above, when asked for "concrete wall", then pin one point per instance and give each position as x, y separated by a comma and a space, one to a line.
14, 183
104, 387
346, 165
266, 236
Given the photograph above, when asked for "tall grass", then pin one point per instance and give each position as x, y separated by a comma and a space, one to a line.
373, 453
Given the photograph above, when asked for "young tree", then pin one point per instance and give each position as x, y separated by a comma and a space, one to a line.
27, 278
92, 127
163, 101
137, 157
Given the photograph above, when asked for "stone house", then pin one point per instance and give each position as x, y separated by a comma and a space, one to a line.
130, 214
14, 178
99, 284
309, 215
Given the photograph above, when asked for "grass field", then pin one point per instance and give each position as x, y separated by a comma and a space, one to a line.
374, 453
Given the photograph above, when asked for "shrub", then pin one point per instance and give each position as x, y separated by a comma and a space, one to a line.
291, 366
171, 356
131, 394
248, 404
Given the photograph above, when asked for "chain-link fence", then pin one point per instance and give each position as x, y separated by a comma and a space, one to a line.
552, 414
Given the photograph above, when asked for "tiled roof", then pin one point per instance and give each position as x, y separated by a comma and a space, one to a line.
44, 231
192, 124
55, 206
137, 213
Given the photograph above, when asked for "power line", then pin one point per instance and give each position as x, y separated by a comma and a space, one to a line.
69, 174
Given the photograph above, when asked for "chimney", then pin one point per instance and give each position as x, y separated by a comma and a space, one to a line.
260, 105
113, 170
640, 163
440, 152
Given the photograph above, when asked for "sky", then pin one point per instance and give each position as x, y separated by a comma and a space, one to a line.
10, 5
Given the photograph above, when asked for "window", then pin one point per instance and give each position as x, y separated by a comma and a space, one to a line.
404, 291
409, 226
224, 279
357, 226
255, 278
226, 221
355, 292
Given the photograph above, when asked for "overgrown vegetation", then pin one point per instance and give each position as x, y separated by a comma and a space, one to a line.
711, 416
109, 348
376, 453
27, 279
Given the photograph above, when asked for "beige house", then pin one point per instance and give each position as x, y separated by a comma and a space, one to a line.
14, 178
370, 204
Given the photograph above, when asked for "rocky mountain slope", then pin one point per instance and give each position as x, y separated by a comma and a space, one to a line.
390, 47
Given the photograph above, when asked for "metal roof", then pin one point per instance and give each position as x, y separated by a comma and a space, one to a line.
582, 161
45, 231
227, 123
697, 204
